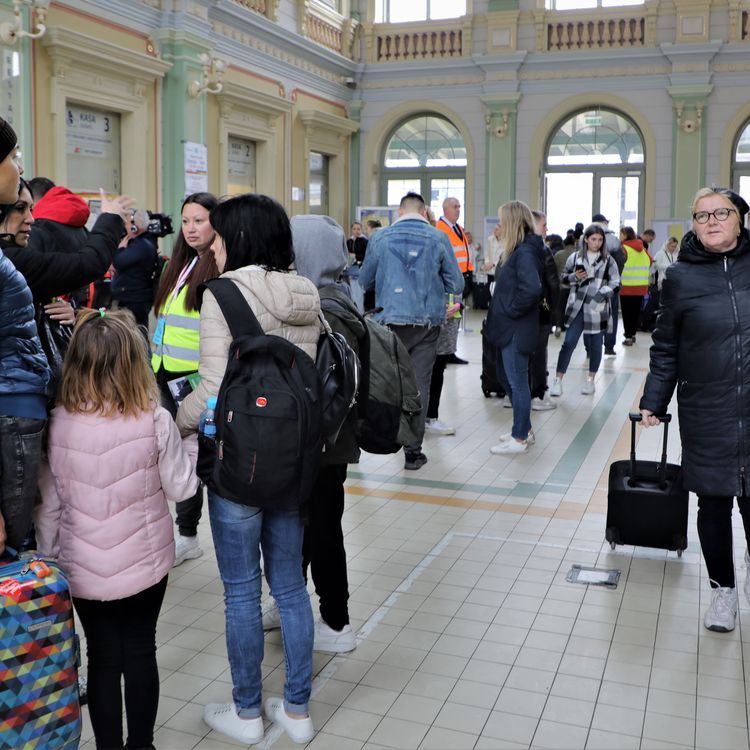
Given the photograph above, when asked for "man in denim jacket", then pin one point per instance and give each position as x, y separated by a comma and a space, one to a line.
412, 267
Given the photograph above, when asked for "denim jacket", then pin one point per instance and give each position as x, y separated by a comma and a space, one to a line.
411, 265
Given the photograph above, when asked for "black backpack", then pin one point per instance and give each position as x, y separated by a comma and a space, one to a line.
268, 416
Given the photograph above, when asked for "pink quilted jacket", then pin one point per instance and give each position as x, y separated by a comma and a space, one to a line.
104, 511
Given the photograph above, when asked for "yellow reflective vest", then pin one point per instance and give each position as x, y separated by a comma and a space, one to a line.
634, 276
179, 348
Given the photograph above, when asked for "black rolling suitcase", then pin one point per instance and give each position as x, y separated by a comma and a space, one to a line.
646, 504
490, 383
480, 296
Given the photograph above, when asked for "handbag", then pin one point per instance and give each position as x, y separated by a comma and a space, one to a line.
54, 338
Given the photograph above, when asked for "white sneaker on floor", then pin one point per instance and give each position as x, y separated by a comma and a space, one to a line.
223, 718
530, 438
588, 387
556, 388
542, 404
438, 427
271, 616
510, 448
507, 403
720, 616
334, 641
299, 730
186, 548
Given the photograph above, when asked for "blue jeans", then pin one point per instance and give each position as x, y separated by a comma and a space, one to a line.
239, 532
593, 343
610, 339
513, 373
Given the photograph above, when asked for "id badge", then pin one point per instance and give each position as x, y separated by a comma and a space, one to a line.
158, 338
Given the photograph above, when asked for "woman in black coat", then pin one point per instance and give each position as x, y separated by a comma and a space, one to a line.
513, 320
702, 347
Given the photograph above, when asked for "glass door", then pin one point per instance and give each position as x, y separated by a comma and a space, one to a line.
617, 197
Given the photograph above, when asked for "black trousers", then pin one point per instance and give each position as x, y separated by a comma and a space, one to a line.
631, 309
538, 363
715, 533
121, 642
323, 545
188, 511
436, 384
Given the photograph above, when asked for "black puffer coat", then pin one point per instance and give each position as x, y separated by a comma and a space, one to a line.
702, 347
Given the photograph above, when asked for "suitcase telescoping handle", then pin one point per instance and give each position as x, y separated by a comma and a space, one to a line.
665, 420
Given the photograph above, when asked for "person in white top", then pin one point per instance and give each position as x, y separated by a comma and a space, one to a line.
664, 258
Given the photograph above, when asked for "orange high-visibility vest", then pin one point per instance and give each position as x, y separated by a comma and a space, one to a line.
459, 244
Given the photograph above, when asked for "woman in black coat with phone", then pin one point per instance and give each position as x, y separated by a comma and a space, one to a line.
702, 348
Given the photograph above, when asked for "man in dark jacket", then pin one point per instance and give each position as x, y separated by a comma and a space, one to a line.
134, 262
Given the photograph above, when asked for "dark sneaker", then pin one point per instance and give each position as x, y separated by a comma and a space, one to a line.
610, 353
414, 460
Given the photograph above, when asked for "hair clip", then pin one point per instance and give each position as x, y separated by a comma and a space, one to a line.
102, 311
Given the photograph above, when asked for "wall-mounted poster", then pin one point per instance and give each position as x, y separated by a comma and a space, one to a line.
92, 139
386, 215
196, 168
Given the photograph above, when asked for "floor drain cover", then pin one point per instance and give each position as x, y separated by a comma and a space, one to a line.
593, 576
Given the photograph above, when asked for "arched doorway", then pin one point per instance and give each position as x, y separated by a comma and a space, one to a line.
741, 162
594, 163
425, 154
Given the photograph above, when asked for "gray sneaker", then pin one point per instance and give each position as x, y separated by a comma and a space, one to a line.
721, 614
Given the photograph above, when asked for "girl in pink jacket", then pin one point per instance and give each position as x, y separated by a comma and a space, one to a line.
115, 459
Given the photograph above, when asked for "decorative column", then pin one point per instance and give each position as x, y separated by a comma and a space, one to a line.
354, 110
500, 118
689, 144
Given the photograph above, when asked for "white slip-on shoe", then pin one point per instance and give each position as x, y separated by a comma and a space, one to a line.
438, 427
510, 448
299, 730
721, 614
530, 438
507, 403
334, 641
223, 718
588, 387
186, 548
556, 388
542, 404
271, 616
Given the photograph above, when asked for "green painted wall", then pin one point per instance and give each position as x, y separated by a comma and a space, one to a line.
501, 150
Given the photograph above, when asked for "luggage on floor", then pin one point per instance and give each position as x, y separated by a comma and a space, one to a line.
649, 309
647, 506
480, 296
490, 383
39, 708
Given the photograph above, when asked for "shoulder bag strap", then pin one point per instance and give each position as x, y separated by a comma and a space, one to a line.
238, 314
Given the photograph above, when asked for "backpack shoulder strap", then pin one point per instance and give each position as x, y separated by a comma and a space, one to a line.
238, 314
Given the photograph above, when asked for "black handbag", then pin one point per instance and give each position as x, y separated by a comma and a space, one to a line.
54, 338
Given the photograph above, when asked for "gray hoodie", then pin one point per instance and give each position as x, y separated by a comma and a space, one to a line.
320, 250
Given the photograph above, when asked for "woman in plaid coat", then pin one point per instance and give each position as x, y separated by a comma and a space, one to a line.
593, 278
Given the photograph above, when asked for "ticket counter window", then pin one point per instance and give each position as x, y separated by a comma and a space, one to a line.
319, 164
92, 139
241, 166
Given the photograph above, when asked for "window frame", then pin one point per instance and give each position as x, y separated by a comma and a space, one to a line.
383, 12
599, 5
739, 168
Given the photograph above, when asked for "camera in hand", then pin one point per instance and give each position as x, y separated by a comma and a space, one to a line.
160, 225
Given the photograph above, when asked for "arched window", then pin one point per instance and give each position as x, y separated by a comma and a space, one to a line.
399, 11
425, 154
741, 163
594, 164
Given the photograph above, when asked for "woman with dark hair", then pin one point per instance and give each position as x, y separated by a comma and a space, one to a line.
592, 277
635, 277
253, 248
176, 339
702, 348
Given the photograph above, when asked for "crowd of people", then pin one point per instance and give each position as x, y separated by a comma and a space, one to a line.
98, 432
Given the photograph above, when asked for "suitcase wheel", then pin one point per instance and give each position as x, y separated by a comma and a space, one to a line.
613, 545
487, 394
679, 553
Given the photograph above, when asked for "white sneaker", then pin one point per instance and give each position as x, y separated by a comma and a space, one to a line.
438, 427
588, 387
334, 641
186, 548
542, 404
507, 403
222, 717
510, 447
299, 730
721, 614
747, 577
530, 438
271, 616
556, 388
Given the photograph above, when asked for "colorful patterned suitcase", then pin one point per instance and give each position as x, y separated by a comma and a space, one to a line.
39, 708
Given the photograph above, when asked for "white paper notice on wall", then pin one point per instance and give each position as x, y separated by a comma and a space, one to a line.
196, 168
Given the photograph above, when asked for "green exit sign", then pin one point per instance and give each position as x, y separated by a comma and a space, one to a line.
592, 120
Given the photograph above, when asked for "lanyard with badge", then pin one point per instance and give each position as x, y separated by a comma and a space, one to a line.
158, 337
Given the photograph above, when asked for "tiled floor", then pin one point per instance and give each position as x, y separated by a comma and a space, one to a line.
469, 635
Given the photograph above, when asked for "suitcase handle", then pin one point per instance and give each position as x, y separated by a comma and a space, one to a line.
665, 420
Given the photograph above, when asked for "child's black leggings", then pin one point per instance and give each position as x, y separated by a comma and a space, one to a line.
121, 641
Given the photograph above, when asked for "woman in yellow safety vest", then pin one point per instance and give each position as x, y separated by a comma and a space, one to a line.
634, 282
176, 340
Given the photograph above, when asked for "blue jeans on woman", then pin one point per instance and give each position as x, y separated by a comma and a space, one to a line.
239, 532
593, 342
513, 373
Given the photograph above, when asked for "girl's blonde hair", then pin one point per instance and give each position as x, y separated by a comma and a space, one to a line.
516, 221
106, 369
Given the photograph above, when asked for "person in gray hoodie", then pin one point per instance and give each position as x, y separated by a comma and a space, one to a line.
321, 256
